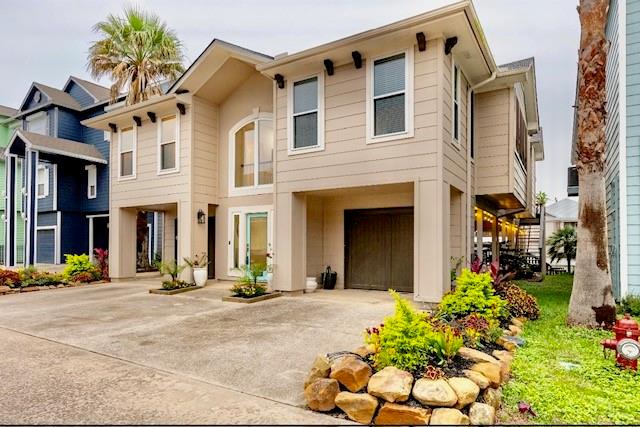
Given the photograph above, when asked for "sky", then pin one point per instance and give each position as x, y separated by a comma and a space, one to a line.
46, 41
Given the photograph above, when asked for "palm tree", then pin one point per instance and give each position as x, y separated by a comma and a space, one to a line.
136, 51
562, 244
592, 293
541, 198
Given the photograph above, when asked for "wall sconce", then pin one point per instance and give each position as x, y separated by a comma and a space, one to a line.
201, 216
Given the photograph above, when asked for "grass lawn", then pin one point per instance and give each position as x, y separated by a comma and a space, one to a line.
587, 389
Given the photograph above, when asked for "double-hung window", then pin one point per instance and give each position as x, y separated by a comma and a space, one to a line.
92, 181
389, 97
42, 183
127, 152
251, 154
38, 123
306, 114
168, 144
455, 114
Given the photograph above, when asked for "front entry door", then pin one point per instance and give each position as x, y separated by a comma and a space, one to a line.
379, 249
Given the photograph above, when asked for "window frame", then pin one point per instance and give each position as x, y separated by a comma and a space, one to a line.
319, 110
133, 150
46, 182
92, 169
256, 188
37, 116
409, 130
242, 213
455, 103
176, 168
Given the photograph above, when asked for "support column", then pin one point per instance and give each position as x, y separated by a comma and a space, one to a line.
122, 243
31, 160
192, 237
10, 211
290, 242
479, 234
431, 241
495, 244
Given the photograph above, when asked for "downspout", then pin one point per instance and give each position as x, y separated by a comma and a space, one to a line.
469, 132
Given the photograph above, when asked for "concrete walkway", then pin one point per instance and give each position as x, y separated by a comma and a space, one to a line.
116, 354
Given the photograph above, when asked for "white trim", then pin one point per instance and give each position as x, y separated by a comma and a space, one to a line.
37, 116
55, 186
290, 116
159, 144
92, 169
58, 240
622, 147
255, 188
408, 98
134, 129
242, 238
455, 102
42, 166
55, 122
55, 243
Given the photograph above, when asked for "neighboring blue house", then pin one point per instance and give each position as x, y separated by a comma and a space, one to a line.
623, 146
63, 165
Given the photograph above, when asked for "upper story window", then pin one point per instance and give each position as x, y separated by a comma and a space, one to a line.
92, 181
42, 181
306, 124
168, 149
127, 147
251, 145
455, 93
38, 123
390, 97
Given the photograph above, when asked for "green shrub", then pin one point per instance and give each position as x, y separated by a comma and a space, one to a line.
174, 284
247, 285
172, 269
519, 302
85, 277
473, 294
76, 264
631, 305
409, 341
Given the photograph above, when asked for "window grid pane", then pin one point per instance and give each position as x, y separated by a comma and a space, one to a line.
168, 129
305, 95
305, 130
265, 152
244, 155
126, 164
389, 114
126, 139
389, 75
168, 156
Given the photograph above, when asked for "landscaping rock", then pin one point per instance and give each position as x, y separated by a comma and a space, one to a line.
434, 393
320, 369
30, 289
491, 371
503, 355
466, 390
4, 290
365, 350
505, 371
360, 407
515, 330
351, 372
60, 285
506, 344
391, 384
477, 378
394, 414
448, 417
321, 394
481, 414
493, 397
517, 322
475, 355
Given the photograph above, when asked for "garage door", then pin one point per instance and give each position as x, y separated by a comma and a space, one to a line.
379, 249
46, 246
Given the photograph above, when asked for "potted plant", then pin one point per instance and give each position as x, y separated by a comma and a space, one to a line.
198, 264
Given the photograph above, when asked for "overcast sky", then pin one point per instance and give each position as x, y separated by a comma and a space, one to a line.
46, 41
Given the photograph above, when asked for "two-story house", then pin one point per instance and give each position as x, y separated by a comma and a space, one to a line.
382, 154
7, 127
57, 180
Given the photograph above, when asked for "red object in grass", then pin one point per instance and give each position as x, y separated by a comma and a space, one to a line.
525, 408
627, 331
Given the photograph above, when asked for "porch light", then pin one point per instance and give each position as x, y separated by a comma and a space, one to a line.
201, 216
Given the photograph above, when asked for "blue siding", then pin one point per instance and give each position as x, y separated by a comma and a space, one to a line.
71, 177
30, 102
47, 219
74, 237
45, 204
96, 138
79, 94
69, 126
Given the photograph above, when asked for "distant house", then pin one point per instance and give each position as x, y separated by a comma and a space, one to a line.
7, 127
557, 216
57, 179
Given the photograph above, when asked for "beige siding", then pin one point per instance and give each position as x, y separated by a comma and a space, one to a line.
205, 151
347, 160
492, 142
315, 242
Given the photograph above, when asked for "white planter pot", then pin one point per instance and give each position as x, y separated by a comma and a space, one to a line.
311, 285
200, 276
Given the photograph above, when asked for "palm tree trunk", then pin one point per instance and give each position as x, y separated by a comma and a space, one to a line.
591, 293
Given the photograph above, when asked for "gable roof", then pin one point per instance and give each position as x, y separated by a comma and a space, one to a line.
7, 111
522, 64
56, 96
565, 209
59, 146
98, 92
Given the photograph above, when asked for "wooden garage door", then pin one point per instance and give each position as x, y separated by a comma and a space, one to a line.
379, 249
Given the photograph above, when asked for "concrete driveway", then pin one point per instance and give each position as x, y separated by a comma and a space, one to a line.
116, 354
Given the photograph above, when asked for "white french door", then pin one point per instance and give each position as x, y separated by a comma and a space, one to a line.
250, 237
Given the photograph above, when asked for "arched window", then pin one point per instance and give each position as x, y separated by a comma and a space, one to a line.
251, 144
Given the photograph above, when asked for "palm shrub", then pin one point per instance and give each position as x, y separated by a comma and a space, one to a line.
173, 270
136, 51
248, 285
563, 245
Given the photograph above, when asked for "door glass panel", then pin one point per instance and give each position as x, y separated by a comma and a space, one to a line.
245, 142
265, 153
257, 238
236, 241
